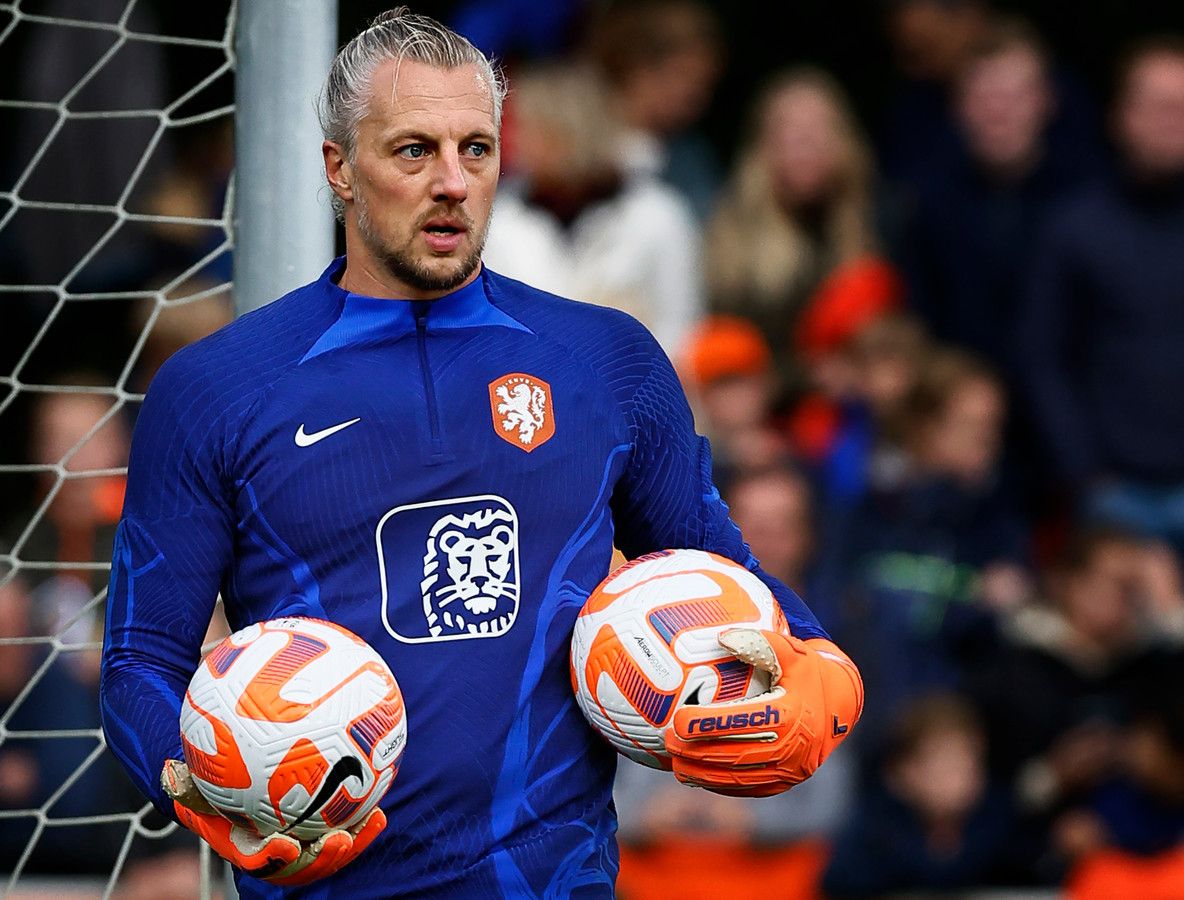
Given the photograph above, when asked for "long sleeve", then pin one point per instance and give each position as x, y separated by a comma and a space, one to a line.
172, 549
666, 497
1045, 337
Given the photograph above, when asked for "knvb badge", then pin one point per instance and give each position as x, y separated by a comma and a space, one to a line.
523, 411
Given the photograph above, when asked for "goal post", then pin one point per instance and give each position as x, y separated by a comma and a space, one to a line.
283, 223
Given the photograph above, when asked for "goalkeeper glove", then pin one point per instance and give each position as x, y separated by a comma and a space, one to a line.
278, 858
766, 744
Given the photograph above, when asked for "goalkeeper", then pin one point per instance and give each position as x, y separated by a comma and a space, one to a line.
441, 460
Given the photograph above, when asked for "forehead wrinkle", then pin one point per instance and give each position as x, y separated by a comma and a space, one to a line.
393, 102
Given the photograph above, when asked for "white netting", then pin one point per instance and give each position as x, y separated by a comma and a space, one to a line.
114, 242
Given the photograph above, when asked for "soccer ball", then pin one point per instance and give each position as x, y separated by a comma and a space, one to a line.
293, 725
645, 643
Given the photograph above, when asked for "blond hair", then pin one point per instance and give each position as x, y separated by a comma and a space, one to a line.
758, 252
395, 34
571, 100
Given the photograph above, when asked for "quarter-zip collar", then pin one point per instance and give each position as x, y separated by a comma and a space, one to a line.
363, 319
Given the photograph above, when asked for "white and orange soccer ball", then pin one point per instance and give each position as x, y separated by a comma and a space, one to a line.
646, 643
293, 725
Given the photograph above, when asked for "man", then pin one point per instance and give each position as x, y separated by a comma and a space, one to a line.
979, 207
934, 42
1103, 324
302, 460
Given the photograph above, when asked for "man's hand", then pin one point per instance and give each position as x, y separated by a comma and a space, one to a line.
278, 858
768, 743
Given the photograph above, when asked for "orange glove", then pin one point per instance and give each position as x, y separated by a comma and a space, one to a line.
766, 744
278, 858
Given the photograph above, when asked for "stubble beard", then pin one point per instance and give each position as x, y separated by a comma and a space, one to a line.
404, 267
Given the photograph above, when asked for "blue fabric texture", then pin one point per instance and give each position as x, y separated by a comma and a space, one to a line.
322, 456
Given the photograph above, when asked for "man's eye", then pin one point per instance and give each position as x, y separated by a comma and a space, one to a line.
478, 149
413, 151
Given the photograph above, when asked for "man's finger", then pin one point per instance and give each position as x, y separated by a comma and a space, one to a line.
332, 851
178, 783
368, 830
730, 781
248, 851
753, 647
325, 855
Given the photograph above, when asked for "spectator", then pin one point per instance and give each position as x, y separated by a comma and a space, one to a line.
926, 563
662, 59
174, 874
179, 324
1068, 675
1141, 809
88, 161
74, 519
678, 841
934, 821
979, 205
694, 845
40, 693
1104, 320
577, 222
76, 431
934, 42
833, 425
774, 508
799, 203
194, 188
1129, 840
727, 366
890, 355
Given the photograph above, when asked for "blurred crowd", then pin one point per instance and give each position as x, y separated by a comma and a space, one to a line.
937, 356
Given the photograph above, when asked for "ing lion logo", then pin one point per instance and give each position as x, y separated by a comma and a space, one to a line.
470, 583
523, 414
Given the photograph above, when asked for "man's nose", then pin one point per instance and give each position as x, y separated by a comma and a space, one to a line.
450, 184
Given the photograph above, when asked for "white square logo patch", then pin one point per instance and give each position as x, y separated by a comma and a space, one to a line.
460, 558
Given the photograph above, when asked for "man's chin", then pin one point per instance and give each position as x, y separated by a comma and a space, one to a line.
453, 268
435, 273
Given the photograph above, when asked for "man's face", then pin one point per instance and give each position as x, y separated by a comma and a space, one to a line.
1004, 105
1150, 115
423, 177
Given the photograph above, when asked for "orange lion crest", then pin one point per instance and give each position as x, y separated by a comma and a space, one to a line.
522, 411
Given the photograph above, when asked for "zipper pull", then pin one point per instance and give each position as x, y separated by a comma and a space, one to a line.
419, 309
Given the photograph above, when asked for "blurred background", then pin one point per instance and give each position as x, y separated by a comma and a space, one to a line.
920, 265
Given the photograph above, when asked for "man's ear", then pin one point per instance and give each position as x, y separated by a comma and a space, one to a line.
338, 172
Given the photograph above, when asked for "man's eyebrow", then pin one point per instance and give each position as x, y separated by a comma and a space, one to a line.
411, 134
408, 134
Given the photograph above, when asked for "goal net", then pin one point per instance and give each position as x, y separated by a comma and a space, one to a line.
115, 197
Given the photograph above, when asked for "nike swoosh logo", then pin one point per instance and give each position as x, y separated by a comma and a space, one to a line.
346, 767
307, 440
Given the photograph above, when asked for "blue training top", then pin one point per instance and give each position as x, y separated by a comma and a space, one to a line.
371, 462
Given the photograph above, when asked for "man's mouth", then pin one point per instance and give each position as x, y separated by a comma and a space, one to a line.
444, 226
443, 236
